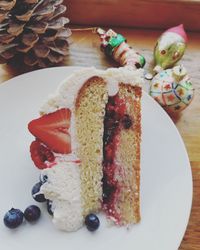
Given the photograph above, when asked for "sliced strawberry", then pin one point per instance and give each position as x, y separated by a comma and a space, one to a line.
40, 154
52, 130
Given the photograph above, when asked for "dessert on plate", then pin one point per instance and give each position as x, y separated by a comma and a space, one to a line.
87, 146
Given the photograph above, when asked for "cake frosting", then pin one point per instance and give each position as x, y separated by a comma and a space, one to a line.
66, 93
63, 189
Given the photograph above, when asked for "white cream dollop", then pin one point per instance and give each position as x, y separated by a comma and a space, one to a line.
63, 189
66, 93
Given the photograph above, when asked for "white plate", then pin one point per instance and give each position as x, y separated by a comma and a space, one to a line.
166, 182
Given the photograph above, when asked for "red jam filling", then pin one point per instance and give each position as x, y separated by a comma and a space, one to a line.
115, 120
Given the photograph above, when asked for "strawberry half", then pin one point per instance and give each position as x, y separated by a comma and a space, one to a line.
52, 130
40, 154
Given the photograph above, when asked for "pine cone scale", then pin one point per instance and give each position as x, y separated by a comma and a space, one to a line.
26, 17
6, 38
59, 46
31, 1
27, 13
3, 16
8, 54
30, 59
30, 39
33, 30
24, 48
59, 23
45, 13
59, 11
64, 33
57, 2
55, 57
6, 47
3, 26
39, 28
15, 29
41, 51
5, 5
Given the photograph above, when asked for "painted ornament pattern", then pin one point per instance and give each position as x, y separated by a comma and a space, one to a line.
170, 93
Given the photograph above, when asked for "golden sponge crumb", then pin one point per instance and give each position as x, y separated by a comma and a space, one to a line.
128, 158
89, 113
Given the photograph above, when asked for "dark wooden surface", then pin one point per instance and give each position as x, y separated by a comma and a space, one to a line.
135, 13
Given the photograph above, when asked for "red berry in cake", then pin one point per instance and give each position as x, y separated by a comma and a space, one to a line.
92, 222
40, 154
109, 153
120, 106
52, 130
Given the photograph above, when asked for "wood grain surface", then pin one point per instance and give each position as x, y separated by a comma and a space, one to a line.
84, 51
135, 13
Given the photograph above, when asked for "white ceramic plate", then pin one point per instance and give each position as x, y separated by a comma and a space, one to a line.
166, 182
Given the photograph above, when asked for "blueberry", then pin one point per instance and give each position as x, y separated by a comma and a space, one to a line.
127, 122
32, 213
36, 192
49, 207
110, 114
108, 135
43, 178
92, 222
13, 218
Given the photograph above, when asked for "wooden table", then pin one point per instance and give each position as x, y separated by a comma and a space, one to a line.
84, 51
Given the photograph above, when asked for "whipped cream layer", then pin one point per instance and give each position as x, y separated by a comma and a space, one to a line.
63, 189
68, 89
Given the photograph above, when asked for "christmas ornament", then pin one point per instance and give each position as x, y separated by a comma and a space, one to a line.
33, 30
169, 48
172, 89
114, 45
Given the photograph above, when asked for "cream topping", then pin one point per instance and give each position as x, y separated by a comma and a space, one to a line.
67, 92
63, 189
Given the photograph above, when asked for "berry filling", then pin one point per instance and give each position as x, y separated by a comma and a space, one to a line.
115, 120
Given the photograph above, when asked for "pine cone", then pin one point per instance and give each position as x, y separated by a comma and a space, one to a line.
33, 30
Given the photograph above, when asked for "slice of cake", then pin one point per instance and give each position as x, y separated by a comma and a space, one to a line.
88, 147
